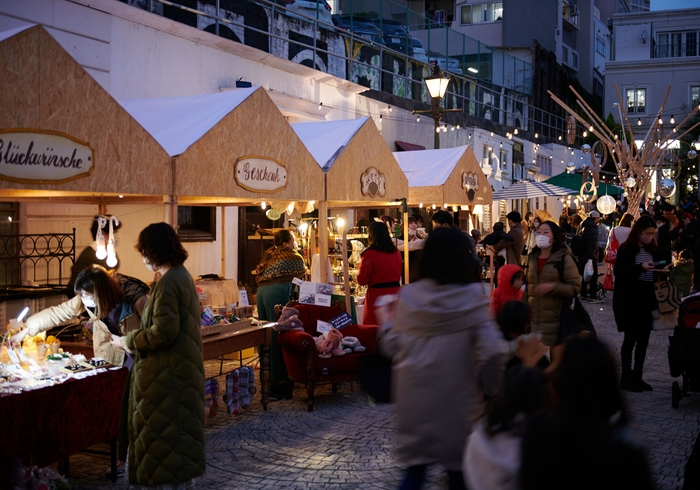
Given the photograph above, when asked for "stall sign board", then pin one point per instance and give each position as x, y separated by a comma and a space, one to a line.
36, 156
470, 183
260, 174
373, 183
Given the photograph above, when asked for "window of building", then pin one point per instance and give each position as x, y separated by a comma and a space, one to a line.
574, 59
485, 158
504, 159
694, 97
677, 44
565, 54
545, 165
478, 13
197, 223
636, 100
600, 46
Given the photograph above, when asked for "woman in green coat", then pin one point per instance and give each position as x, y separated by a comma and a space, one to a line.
166, 402
547, 289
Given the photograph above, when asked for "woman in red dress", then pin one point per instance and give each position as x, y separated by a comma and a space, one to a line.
380, 269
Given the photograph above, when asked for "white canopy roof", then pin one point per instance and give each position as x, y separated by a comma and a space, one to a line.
326, 140
177, 122
12, 32
429, 167
527, 189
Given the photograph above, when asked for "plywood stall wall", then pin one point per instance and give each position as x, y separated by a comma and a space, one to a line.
255, 128
469, 163
44, 88
366, 149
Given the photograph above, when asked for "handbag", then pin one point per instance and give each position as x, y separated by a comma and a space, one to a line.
667, 295
574, 320
608, 282
611, 255
664, 321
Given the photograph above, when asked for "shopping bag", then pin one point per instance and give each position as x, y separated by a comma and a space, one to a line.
611, 254
574, 321
667, 295
664, 321
608, 282
588, 271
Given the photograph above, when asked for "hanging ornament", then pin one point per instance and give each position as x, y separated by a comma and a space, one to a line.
588, 192
101, 252
586, 149
666, 187
111, 243
689, 187
570, 167
630, 182
692, 154
273, 214
606, 204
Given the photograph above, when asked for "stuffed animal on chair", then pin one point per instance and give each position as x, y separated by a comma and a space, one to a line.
328, 344
289, 320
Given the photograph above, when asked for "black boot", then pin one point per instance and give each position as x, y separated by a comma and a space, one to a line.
628, 381
642, 385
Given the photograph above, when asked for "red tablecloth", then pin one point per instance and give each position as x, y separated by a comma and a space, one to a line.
50, 424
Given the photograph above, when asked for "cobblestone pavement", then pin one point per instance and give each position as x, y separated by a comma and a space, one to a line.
347, 443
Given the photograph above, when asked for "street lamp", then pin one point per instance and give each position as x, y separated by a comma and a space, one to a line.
437, 86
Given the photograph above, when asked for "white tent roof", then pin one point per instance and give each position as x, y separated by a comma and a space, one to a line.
326, 140
13, 32
527, 189
177, 122
425, 168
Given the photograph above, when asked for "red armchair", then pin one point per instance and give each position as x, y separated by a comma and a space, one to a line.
300, 355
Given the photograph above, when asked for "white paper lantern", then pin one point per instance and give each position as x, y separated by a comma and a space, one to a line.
606, 204
666, 188
630, 182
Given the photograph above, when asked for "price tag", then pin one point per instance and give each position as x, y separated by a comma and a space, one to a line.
244, 297
22, 355
13, 356
297, 281
15, 369
323, 300
341, 320
202, 295
323, 327
33, 366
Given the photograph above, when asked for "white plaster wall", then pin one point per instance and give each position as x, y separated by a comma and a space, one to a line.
629, 46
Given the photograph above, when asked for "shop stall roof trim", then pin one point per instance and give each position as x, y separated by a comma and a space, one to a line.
178, 122
326, 140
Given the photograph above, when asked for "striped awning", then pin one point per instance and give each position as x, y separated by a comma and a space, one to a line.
527, 189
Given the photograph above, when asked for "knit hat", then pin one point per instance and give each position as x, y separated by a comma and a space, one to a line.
594, 214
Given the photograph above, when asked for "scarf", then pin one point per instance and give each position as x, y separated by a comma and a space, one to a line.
281, 265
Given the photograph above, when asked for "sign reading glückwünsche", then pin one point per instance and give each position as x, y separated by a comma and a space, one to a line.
260, 174
35, 156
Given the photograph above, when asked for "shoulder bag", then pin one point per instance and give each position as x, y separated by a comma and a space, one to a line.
611, 255
574, 320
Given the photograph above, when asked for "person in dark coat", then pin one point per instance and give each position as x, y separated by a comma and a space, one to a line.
589, 233
634, 299
690, 233
663, 238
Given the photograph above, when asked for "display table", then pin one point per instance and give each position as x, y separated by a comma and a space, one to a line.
48, 425
218, 345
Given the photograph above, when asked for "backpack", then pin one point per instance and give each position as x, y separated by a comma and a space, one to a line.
577, 246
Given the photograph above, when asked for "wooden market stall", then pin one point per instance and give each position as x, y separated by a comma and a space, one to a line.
232, 148
360, 171
63, 139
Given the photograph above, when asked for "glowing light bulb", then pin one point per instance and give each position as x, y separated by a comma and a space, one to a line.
263, 205
340, 222
420, 205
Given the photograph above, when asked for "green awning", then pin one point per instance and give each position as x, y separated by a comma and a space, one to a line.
574, 182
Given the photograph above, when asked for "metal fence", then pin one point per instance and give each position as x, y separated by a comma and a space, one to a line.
44, 259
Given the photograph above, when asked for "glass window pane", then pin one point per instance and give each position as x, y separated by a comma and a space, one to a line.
478, 14
691, 43
630, 100
641, 100
694, 96
488, 12
467, 14
498, 11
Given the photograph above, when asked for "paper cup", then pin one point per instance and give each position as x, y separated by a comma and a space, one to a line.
54, 347
41, 350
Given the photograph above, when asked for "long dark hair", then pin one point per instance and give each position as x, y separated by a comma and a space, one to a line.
160, 245
96, 280
632, 242
379, 239
447, 258
626, 220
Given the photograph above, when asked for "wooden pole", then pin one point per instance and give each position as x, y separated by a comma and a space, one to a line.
323, 238
405, 248
346, 273
223, 241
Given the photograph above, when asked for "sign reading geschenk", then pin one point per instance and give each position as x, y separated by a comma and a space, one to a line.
35, 156
260, 174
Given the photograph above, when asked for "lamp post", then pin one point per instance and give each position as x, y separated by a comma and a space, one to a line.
437, 86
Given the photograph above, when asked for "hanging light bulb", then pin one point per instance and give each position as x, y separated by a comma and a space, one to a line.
559, 137
420, 205
458, 126
437, 130
434, 206
417, 118
673, 120
661, 121
585, 133
515, 131
111, 243
639, 122
263, 205
537, 135
101, 252
391, 108
320, 106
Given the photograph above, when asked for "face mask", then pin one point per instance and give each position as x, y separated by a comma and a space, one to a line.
645, 239
542, 241
88, 302
148, 265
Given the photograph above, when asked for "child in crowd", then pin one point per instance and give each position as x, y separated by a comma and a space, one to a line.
514, 319
510, 283
682, 272
491, 458
492, 239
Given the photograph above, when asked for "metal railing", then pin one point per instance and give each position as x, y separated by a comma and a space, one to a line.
42, 259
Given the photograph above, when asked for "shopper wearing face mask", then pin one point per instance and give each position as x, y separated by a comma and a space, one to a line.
113, 302
547, 289
634, 299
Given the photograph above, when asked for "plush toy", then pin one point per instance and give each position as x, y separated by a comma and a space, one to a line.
289, 320
333, 343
